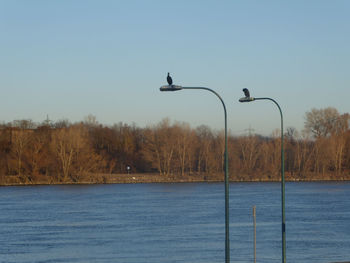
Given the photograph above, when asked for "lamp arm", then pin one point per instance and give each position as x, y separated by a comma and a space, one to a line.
213, 91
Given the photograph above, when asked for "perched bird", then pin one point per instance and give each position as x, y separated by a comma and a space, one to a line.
246, 93
169, 79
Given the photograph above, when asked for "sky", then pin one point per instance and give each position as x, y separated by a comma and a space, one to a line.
68, 59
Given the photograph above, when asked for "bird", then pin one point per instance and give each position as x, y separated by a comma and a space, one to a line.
169, 79
246, 93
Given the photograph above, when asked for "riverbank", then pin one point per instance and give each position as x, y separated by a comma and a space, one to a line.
14, 180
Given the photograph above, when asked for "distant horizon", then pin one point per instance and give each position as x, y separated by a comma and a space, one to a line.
250, 130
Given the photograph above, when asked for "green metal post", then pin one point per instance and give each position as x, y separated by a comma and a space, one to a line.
282, 183
227, 217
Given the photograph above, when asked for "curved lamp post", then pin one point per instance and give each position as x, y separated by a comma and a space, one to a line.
248, 98
227, 240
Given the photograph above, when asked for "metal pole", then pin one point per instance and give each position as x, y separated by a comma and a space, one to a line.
283, 190
254, 222
227, 217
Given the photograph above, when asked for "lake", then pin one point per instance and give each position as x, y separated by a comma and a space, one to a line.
159, 223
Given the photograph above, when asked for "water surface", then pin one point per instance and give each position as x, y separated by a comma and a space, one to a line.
159, 223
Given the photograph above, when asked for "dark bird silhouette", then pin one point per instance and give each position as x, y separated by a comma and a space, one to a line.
246, 93
169, 79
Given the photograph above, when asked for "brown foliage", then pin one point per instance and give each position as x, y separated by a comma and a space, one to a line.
65, 152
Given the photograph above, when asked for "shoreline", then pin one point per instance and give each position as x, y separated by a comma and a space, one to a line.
140, 178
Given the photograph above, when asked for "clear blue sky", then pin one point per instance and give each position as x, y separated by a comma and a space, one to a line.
68, 59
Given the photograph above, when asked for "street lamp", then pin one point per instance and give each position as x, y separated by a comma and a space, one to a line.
171, 87
248, 98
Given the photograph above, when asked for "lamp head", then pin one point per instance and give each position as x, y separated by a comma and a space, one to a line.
246, 99
170, 88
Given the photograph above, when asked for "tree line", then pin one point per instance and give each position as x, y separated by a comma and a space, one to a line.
67, 152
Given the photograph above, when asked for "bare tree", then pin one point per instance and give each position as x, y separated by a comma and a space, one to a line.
302, 159
38, 151
68, 144
337, 141
20, 140
321, 122
182, 133
91, 121
249, 150
5, 149
160, 146
205, 142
